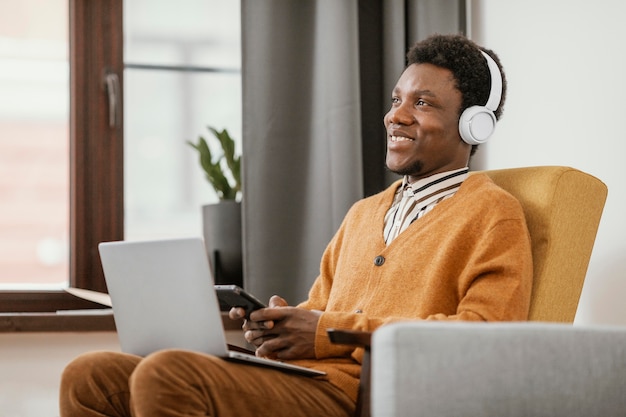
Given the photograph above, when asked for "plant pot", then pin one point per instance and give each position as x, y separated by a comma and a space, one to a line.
222, 237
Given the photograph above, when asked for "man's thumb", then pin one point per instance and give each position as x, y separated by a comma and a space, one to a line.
277, 301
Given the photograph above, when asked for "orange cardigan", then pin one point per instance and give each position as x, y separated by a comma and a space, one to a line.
467, 259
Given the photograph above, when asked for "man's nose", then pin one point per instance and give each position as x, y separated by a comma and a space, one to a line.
400, 115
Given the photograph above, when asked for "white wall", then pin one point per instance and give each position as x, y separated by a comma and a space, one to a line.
566, 103
31, 365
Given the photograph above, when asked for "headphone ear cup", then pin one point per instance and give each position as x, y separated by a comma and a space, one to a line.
476, 124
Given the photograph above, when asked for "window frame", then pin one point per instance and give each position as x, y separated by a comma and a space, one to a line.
96, 174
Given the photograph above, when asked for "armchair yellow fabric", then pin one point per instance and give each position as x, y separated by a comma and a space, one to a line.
563, 207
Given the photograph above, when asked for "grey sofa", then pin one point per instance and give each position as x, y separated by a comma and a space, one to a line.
532, 369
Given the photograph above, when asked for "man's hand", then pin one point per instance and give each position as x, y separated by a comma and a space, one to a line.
280, 331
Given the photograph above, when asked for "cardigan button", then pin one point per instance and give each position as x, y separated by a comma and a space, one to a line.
379, 260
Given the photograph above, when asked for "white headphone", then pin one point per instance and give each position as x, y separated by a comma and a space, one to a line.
477, 123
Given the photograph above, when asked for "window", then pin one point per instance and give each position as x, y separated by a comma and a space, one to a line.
93, 150
189, 67
167, 62
34, 145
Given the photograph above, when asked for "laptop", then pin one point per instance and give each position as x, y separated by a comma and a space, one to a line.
163, 297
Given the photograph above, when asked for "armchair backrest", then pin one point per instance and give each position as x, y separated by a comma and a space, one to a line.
563, 207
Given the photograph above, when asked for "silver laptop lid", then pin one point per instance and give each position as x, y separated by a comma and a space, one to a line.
162, 295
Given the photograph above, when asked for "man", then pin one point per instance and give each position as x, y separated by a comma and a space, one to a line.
438, 245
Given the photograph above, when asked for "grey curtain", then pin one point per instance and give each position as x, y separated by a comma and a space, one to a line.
317, 75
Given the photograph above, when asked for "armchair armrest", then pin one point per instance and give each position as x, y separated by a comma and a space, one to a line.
350, 337
364, 340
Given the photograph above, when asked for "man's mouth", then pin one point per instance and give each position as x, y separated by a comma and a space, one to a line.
399, 139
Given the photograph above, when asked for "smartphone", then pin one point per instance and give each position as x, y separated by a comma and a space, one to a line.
235, 296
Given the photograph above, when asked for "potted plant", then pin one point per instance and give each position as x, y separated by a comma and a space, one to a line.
222, 221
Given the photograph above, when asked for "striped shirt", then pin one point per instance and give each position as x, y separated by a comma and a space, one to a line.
413, 201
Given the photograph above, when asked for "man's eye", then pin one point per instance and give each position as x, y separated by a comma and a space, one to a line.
421, 103
395, 100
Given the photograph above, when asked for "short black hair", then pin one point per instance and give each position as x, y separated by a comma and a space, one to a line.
468, 66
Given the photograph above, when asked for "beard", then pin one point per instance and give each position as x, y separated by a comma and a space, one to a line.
414, 169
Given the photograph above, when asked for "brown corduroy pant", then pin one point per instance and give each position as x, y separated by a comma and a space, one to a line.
176, 383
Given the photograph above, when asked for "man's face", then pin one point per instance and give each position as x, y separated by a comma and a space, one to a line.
423, 124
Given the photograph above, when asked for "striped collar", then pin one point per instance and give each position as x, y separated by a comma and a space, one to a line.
413, 201
428, 190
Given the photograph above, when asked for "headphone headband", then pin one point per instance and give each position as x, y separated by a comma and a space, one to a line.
496, 83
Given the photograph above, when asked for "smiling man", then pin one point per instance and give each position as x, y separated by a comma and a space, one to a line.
436, 245
446, 79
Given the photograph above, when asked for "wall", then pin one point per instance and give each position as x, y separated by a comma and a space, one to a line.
564, 60
31, 365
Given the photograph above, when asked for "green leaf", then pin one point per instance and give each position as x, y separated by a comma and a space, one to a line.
215, 170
